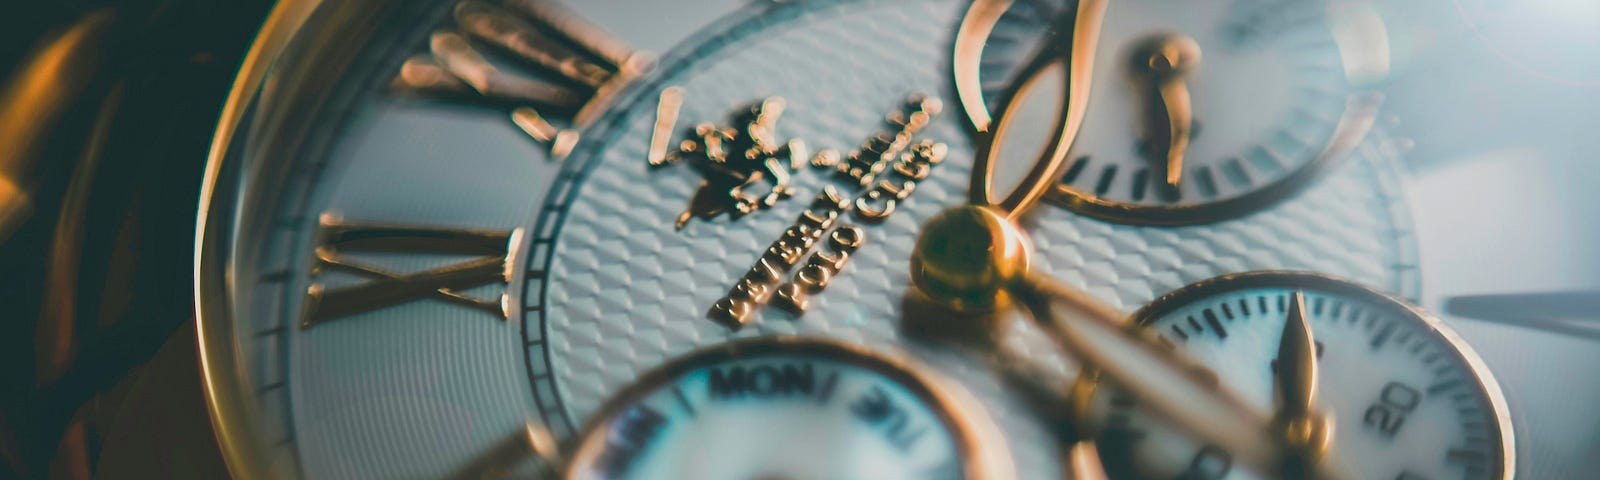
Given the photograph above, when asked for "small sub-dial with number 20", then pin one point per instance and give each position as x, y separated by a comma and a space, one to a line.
1198, 114
1402, 396
789, 408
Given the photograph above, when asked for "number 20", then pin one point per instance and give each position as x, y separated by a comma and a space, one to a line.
1388, 414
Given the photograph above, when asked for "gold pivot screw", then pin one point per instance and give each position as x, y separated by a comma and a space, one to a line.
967, 256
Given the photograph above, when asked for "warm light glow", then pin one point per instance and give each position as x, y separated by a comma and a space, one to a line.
1363, 43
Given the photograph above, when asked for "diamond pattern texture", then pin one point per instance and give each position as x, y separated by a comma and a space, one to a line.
628, 292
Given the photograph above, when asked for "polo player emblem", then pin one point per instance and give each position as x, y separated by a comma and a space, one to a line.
744, 168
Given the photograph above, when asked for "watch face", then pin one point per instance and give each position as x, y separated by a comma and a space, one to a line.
677, 239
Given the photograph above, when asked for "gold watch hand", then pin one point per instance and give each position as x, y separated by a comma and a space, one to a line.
1167, 60
973, 258
971, 37
1306, 432
1083, 457
976, 257
1296, 365
1171, 386
529, 451
1079, 62
1083, 460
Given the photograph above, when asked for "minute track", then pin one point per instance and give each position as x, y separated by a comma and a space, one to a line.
1419, 405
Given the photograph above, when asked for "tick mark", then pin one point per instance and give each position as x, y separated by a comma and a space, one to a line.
1075, 170
1106, 176
826, 392
1383, 335
1211, 319
683, 400
1443, 386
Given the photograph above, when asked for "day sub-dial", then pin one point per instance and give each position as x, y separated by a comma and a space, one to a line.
788, 408
1196, 114
1392, 393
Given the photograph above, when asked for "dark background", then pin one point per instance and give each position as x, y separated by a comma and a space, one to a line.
98, 369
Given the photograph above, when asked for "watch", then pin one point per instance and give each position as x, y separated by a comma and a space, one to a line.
988, 239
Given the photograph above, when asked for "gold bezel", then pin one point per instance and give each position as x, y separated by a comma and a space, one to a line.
235, 412
232, 410
1331, 284
978, 442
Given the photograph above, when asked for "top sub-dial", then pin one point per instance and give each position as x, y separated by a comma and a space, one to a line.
1198, 115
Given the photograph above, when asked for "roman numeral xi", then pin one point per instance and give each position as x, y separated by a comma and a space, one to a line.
487, 261
536, 58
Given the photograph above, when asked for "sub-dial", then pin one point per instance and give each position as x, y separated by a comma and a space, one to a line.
789, 408
1197, 114
1352, 373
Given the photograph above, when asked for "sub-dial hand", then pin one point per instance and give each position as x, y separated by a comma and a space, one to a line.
1306, 432
530, 452
1166, 61
1083, 457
